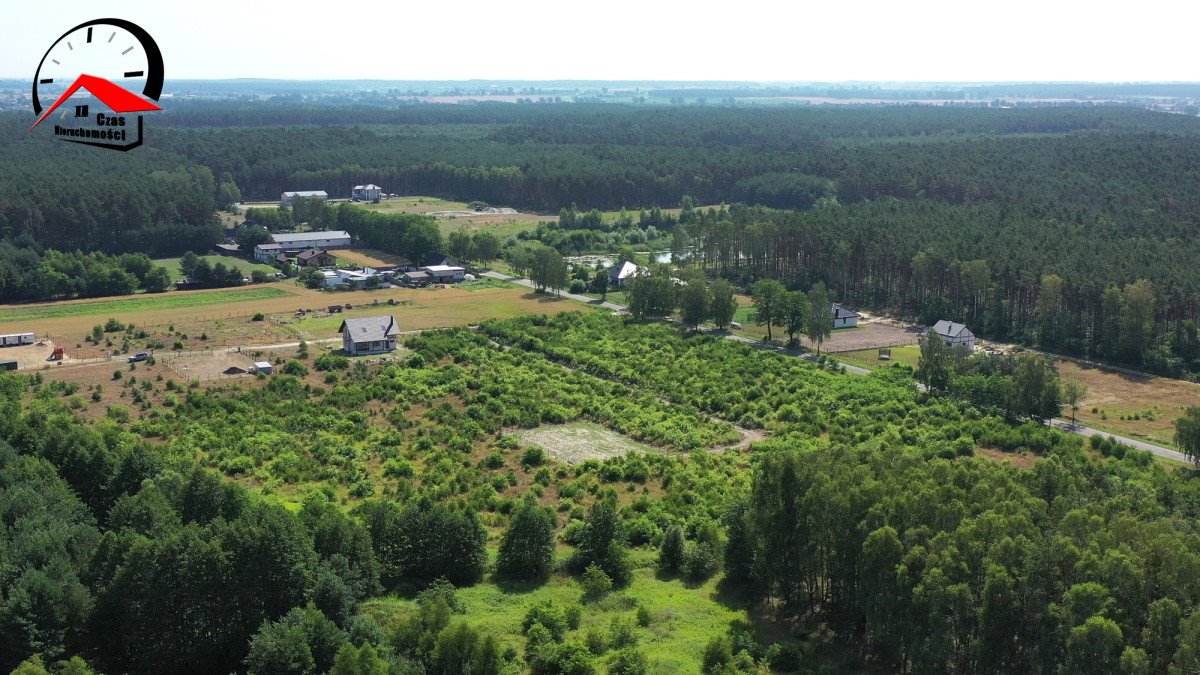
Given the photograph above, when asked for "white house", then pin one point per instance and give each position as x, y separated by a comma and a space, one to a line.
286, 198
621, 273
955, 334
370, 335
366, 193
299, 241
844, 318
266, 253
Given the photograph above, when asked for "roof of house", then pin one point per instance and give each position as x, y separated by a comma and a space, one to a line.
416, 275
443, 268
306, 193
438, 259
311, 253
369, 186
950, 329
840, 312
370, 329
625, 270
268, 247
293, 237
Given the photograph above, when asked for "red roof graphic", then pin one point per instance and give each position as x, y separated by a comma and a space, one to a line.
118, 99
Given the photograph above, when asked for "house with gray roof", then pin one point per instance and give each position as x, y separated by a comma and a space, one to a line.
369, 335
955, 334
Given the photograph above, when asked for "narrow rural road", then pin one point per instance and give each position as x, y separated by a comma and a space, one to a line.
573, 296
857, 370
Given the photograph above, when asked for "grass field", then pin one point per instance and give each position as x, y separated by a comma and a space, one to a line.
683, 617
1149, 405
158, 301
246, 266
869, 358
502, 225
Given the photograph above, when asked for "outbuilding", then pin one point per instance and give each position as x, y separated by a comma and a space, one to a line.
13, 339
326, 239
263, 367
315, 257
287, 198
441, 274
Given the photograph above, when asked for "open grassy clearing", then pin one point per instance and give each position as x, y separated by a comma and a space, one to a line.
1148, 404
502, 225
683, 617
869, 358
246, 266
580, 441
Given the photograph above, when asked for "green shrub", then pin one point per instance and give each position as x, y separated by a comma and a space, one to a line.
258, 316
596, 584
331, 362
294, 367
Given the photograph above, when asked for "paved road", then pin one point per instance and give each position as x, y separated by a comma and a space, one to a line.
1061, 424
573, 296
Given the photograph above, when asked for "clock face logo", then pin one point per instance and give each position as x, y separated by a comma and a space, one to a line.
119, 67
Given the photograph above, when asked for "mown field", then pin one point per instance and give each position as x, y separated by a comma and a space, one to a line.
142, 303
246, 266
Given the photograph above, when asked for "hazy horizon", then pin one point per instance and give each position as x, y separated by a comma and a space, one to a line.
932, 42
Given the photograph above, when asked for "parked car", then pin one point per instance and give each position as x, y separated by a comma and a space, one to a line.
735, 325
140, 356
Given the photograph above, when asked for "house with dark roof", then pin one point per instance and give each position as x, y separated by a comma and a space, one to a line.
369, 335
844, 317
435, 259
955, 334
315, 257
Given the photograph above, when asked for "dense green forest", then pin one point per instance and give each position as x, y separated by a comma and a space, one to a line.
1035, 225
866, 518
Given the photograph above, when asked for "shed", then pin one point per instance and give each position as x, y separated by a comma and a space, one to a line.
263, 367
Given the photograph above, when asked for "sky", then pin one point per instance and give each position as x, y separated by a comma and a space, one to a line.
750, 40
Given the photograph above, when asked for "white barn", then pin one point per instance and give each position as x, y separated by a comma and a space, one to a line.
369, 335
843, 317
955, 334
366, 193
286, 198
299, 241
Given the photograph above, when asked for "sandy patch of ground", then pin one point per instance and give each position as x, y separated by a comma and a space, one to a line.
1021, 460
580, 441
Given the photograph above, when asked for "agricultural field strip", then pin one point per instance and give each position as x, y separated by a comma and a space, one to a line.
170, 300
